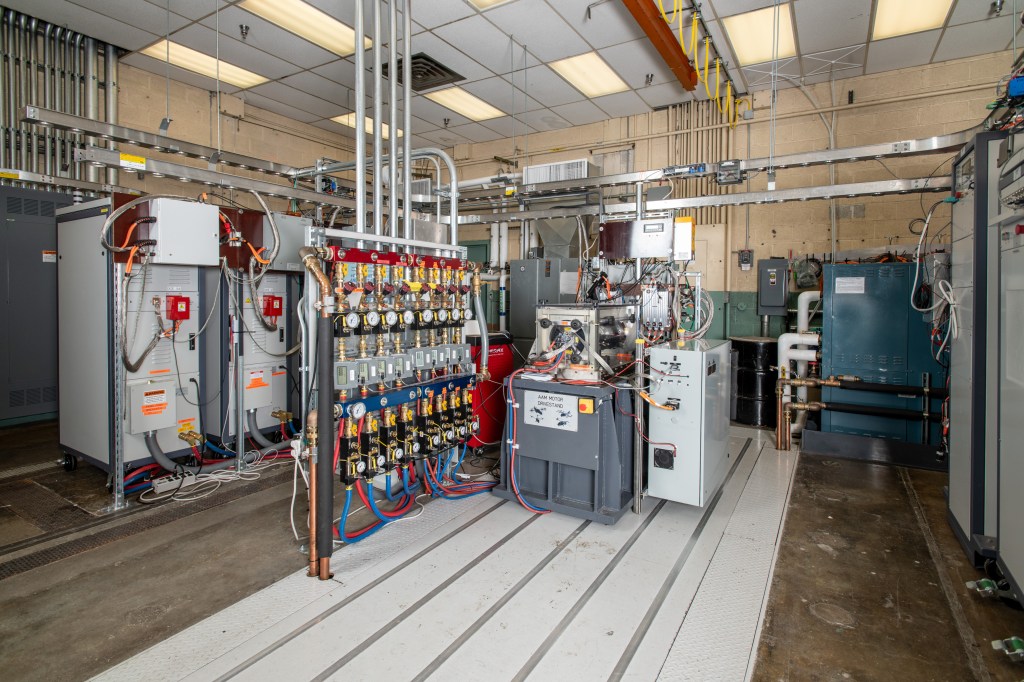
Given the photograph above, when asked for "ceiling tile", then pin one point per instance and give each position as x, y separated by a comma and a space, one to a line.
192, 9
269, 104
474, 132
442, 138
901, 52
431, 14
725, 8
634, 60
665, 94
967, 40
85, 21
840, 61
729, 60
580, 113
759, 76
203, 39
269, 38
142, 15
508, 126
847, 22
540, 28
433, 112
158, 67
966, 11
454, 59
622, 104
482, 39
605, 24
547, 87
341, 71
314, 84
824, 77
298, 99
545, 119
421, 126
499, 92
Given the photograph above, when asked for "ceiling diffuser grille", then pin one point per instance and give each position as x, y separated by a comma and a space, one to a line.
427, 73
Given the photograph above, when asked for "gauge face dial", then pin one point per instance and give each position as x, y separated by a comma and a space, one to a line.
380, 460
428, 315
456, 315
391, 318
415, 447
399, 453
442, 315
360, 466
357, 410
408, 317
435, 439
352, 320
468, 313
373, 318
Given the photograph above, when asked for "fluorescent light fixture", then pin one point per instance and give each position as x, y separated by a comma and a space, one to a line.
752, 35
307, 22
204, 64
589, 74
900, 17
485, 4
461, 102
350, 121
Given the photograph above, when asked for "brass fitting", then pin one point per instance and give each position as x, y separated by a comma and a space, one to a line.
283, 416
192, 438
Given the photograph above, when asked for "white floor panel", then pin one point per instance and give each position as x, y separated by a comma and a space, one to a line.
544, 598
717, 638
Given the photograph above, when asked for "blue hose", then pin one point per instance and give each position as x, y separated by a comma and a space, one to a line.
295, 431
405, 482
387, 489
344, 518
459, 463
373, 506
514, 485
220, 450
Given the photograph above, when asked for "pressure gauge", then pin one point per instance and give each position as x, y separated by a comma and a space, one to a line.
360, 466
468, 313
380, 461
391, 318
428, 315
399, 453
435, 439
449, 435
456, 315
462, 430
352, 321
372, 318
408, 317
415, 447
357, 410
442, 315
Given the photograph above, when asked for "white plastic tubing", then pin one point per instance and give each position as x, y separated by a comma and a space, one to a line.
801, 347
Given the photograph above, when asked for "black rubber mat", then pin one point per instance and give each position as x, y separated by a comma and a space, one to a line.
41, 507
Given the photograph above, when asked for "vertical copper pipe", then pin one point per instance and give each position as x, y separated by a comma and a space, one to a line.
311, 440
778, 416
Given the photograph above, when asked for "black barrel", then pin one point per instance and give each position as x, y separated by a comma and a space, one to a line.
753, 387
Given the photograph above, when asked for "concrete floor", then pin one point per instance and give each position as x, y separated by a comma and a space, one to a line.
868, 578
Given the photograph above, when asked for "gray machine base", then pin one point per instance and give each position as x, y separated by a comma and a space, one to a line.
876, 450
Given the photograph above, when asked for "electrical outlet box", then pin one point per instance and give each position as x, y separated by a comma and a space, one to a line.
729, 173
273, 306
152, 406
186, 232
745, 259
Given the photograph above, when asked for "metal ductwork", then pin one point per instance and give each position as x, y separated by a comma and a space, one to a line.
559, 237
50, 66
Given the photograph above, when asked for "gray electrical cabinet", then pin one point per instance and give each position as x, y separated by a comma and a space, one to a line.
772, 286
687, 456
28, 297
537, 281
973, 413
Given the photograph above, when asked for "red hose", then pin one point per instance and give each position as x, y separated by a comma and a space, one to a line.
400, 509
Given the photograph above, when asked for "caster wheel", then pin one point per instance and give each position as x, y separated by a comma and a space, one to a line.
70, 462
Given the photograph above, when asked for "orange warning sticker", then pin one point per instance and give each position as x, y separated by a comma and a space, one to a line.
186, 425
277, 374
257, 380
160, 371
154, 402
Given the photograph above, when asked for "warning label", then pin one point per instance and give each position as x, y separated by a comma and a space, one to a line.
551, 410
257, 380
186, 425
49, 256
154, 402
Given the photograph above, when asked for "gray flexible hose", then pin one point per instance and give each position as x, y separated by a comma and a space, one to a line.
254, 431
158, 455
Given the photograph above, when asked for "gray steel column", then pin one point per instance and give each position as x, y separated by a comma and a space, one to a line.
407, 120
110, 68
5, 85
92, 99
47, 97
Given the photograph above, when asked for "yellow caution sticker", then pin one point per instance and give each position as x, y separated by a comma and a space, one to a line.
133, 162
7, 175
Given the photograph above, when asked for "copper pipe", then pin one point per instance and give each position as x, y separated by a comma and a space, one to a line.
325, 568
314, 571
778, 416
311, 259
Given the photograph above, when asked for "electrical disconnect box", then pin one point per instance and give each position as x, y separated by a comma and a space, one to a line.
684, 240
772, 286
651, 238
687, 452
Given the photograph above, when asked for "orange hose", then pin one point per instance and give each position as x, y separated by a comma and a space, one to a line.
256, 254
131, 258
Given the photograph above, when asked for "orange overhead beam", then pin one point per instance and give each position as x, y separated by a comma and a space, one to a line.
660, 34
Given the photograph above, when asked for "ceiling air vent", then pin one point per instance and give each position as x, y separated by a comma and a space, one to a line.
427, 73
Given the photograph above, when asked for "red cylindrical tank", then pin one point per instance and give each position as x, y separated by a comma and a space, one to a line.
488, 397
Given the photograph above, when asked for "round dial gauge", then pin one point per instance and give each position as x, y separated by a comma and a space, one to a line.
360, 466
449, 434
399, 453
428, 315
408, 317
357, 410
352, 320
391, 318
435, 439
380, 461
462, 430
456, 315
415, 447
373, 318
442, 315
468, 313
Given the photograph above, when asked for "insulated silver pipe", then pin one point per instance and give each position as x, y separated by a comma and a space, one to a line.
75, 97
92, 99
393, 117
360, 31
20, 44
407, 120
58, 96
5, 37
378, 139
47, 96
31, 42
110, 69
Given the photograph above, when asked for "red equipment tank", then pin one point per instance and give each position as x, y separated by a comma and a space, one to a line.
488, 397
